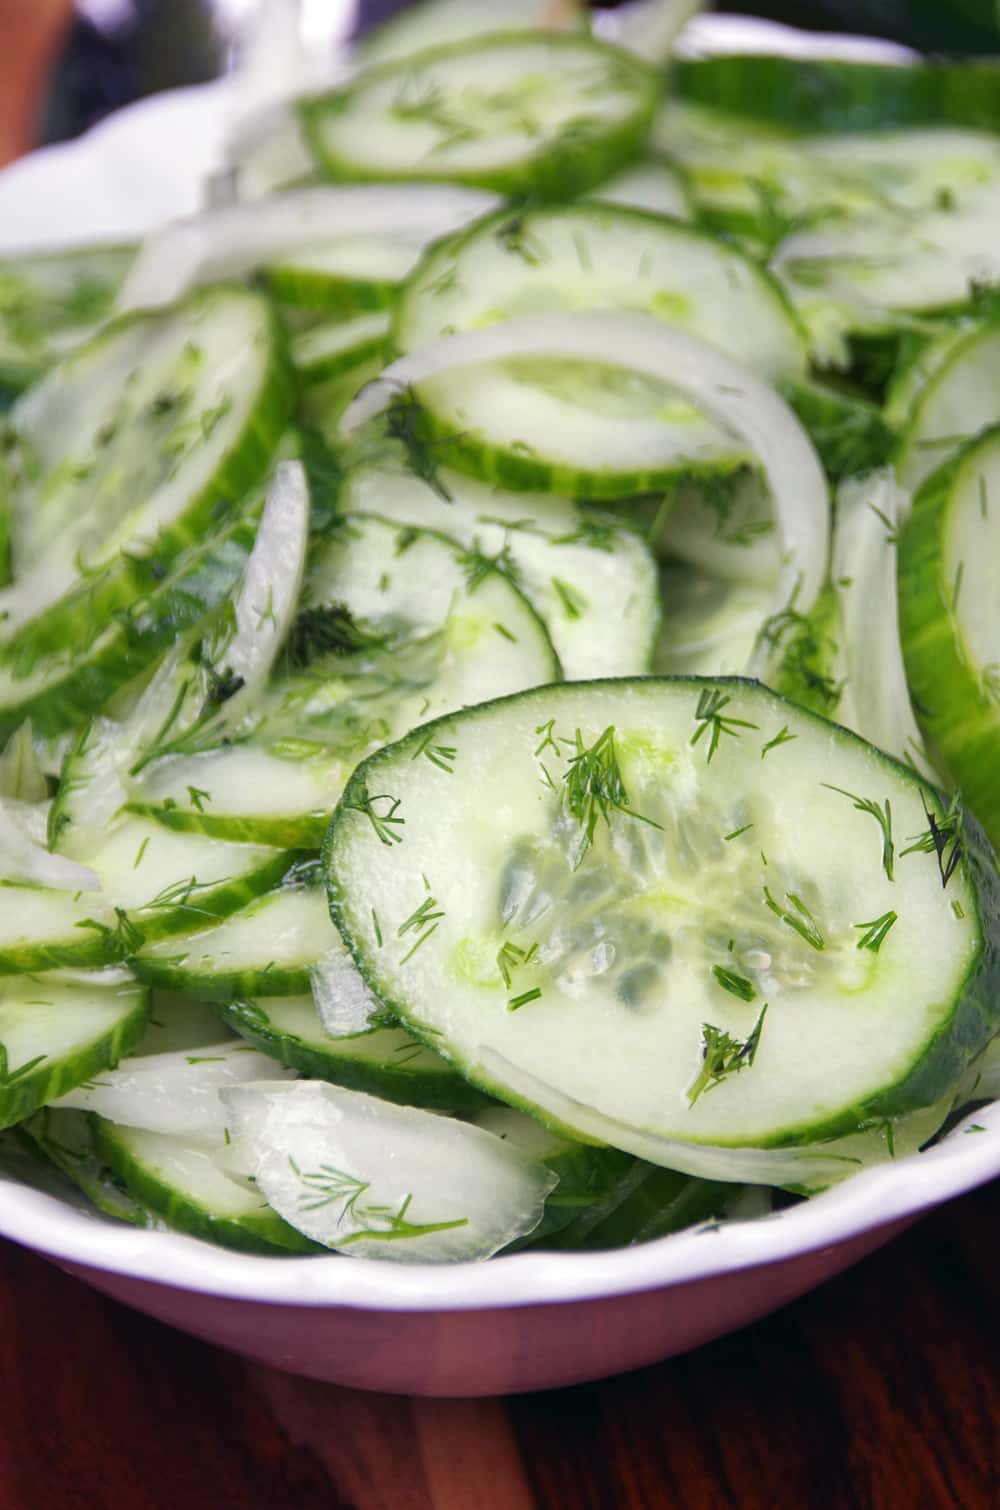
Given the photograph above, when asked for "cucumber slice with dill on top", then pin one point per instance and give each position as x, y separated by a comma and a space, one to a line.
583, 428
944, 399
132, 446
948, 591
515, 112
709, 884
52, 301
56, 1034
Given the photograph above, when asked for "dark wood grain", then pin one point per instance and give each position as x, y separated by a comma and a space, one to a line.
880, 1391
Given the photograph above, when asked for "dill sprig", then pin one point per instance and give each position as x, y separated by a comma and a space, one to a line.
799, 918
386, 823
875, 931
945, 840
711, 719
329, 629
477, 566
404, 424
120, 939
594, 788
882, 816
328, 1185
442, 756
783, 737
736, 985
510, 957
425, 921
723, 1055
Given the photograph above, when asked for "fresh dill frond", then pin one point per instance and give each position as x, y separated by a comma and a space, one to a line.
736, 985
711, 720
594, 788
799, 918
723, 1055
876, 931
882, 816
387, 822
945, 840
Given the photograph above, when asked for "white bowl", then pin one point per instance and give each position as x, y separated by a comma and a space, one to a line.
529, 1321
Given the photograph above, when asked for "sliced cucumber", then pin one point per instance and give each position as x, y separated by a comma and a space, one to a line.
172, 1093
185, 1184
50, 302
60, 682
383, 1181
385, 1062
352, 274
178, 1022
333, 347
650, 1202
56, 1034
66, 1139
42, 928
132, 446
169, 882
514, 112
949, 580
955, 401
266, 949
654, 184
591, 580
582, 428
722, 526
659, 883
433, 22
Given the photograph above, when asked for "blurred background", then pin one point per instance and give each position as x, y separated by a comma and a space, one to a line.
65, 65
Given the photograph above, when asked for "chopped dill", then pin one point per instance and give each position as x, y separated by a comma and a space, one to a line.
724, 1055
594, 788
799, 918
736, 985
710, 718
882, 816
875, 931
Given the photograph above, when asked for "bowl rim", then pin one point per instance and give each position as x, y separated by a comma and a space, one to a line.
68, 1233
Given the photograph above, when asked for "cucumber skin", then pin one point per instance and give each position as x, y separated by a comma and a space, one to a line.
974, 1022
653, 1203
48, 1082
84, 949
340, 364
434, 1092
305, 289
957, 718
158, 614
81, 1166
554, 175
830, 95
220, 986
80, 615
228, 897
294, 832
264, 1233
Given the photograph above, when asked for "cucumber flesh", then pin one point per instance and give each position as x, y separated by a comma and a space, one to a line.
510, 112
591, 580
387, 1062
131, 443
266, 949
174, 1093
383, 1181
588, 429
334, 347
724, 527
66, 1140
56, 1034
652, 184
869, 1016
434, 22
957, 400
185, 1184
49, 303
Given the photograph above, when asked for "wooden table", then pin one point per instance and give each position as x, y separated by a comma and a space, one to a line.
881, 1390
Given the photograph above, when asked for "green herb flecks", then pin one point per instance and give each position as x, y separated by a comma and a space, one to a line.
330, 629
736, 985
387, 822
442, 756
425, 921
882, 816
328, 1185
711, 720
798, 918
875, 931
9, 1077
573, 601
945, 840
783, 737
594, 788
723, 1055
516, 1002
120, 939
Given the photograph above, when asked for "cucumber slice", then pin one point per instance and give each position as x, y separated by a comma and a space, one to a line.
60, 683
351, 274
42, 928
168, 882
956, 400
948, 587
582, 428
266, 949
434, 22
722, 526
687, 856
246, 793
517, 113
650, 1203
185, 1185
178, 1022
55, 1034
383, 1181
654, 184
51, 302
132, 446
66, 1140
592, 581
172, 1093
385, 1062
334, 347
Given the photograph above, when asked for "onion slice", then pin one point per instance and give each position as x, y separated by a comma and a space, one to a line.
21, 859
721, 388
233, 240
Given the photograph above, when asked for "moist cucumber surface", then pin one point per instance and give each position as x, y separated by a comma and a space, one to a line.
575, 941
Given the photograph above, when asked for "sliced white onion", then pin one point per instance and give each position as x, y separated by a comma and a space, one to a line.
647, 28
21, 859
720, 387
875, 702
233, 240
21, 774
344, 1003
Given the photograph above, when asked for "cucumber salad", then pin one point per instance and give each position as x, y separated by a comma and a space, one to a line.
500, 651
